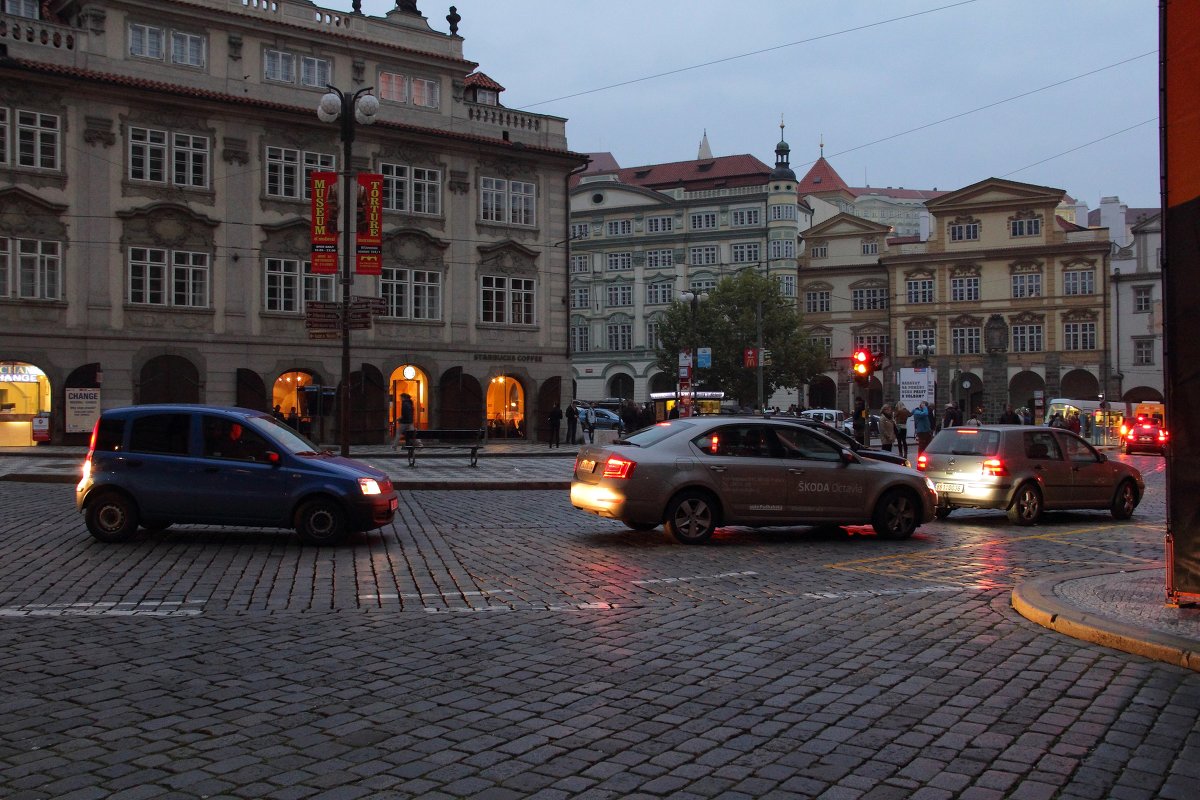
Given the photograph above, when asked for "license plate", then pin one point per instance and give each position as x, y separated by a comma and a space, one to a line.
952, 488
587, 465
394, 504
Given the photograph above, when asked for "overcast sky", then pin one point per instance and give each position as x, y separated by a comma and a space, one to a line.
905, 92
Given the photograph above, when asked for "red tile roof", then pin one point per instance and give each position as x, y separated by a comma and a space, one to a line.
821, 177
1066, 225
695, 175
601, 162
480, 81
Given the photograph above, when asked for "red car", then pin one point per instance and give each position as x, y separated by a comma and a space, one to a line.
1145, 436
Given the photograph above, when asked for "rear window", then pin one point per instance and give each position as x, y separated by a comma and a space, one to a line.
965, 442
110, 433
656, 433
160, 433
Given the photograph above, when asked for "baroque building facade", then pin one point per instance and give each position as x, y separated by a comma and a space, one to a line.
155, 225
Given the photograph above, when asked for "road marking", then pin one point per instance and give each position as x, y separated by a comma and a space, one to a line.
718, 576
420, 595
166, 608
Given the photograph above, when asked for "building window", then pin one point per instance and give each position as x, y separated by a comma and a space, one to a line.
816, 302
782, 248
819, 251
285, 280
703, 256
620, 295
581, 264
31, 269
149, 155
581, 230
314, 72
618, 262
782, 212
150, 283
919, 339
658, 259
746, 253
745, 217
22, 8
870, 248
411, 189
920, 290
824, 342
869, 299
393, 86
964, 289
1142, 299
704, 220
1026, 338
964, 232
620, 336
487, 97
786, 284
581, 297
411, 293
187, 49
508, 301
1079, 281
965, 341
146, 41
660, 292
426, 93
1079, 335
288, 171
318, 287
660, 224
1025, 227
580, 339
702, 285
37, 140
877, 343
619, 227
507, 201
653, 335
1027, 285
1143, 352
279, 66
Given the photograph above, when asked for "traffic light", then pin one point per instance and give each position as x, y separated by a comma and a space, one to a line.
861, 363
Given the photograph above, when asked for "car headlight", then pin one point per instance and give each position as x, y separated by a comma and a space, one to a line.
369, 486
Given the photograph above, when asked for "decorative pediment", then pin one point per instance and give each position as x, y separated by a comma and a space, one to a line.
870, 329
412, 247
820, 330
508, 257
1027, 318
870, 283
405, 153
508, 169
844, 224
27, 215
1025, 267
619, 318
920, 323
167, 225
1081, 315
918, 273
966, 321
290, 239
168, 119
1080, 263
1025, 213
965, 271
995, 192
300, 138
817, 286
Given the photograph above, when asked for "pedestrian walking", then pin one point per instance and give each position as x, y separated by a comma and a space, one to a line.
887, 428
406, 421
589, 424
922, 417
556, 418
572, 424
860, 422
901, 415
1010, 417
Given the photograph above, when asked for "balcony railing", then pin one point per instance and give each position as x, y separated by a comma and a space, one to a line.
34, 31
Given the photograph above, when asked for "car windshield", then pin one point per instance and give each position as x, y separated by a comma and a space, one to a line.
965, 442
283, 435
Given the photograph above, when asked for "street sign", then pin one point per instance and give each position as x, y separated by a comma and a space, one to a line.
704, 358
323, 305
322, 324
323, 334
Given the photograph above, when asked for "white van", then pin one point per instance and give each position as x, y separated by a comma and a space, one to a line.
827, 415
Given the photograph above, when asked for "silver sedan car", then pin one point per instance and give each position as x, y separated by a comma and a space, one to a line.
694, 475
1024, 470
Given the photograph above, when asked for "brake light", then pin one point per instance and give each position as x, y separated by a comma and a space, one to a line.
617, 467
1162, 435
994, 467
1124, 431
922, 462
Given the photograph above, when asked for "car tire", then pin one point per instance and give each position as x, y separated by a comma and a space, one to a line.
1125, 501
641, 526
321, 522
942, 512
896, 515
1026, 508
112, 517
691, 517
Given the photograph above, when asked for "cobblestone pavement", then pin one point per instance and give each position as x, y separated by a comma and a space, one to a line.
501, 644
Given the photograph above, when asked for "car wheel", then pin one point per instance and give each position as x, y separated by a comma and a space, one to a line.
641, 526
112, 517
1125, 501
1026, 508
942, 512
895, 515
691, 517
321, 522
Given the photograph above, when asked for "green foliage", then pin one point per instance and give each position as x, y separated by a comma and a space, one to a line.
727, 321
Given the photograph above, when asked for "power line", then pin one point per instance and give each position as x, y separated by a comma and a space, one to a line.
1080, 147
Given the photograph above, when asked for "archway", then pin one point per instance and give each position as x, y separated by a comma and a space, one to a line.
81, 403
298, 393
1079, 384
252, 392
662, 382
368, 406
168, 379
968, 394
1024, 389
460, 400
411, 380
549, 393
24, 397
506, 408
1142, 394
822, 392
620, 385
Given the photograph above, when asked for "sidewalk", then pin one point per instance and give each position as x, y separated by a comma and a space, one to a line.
1122, 610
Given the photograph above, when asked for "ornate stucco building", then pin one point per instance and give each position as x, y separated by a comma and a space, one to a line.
155, 225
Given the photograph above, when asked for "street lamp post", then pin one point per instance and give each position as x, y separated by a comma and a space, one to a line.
924, 351
359, 107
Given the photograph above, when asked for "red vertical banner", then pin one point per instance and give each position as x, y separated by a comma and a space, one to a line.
369, 236
323, 190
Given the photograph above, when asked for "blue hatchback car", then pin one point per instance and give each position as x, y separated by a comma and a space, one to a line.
157, 465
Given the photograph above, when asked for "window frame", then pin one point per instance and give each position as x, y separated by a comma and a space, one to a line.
280, 61
188, 40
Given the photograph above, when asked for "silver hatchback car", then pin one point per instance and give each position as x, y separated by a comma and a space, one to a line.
694, 475
1025, 470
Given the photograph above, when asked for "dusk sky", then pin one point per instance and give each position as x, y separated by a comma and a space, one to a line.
915, 93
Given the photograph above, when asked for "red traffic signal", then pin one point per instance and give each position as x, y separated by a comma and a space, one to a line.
861, 362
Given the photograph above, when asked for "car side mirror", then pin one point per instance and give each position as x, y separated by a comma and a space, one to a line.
848, 457
1103, 457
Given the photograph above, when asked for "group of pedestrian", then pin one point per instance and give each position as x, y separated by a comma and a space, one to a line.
893, 428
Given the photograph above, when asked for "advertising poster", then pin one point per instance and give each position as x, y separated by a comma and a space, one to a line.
323, 189
82, 409
917, 384
369, 236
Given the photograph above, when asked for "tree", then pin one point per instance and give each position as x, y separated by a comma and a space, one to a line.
727, 321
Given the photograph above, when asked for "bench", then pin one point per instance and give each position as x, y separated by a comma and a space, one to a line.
469, 439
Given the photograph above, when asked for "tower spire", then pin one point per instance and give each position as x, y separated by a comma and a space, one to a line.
705, 152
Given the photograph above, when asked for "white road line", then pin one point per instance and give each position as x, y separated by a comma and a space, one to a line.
718, 576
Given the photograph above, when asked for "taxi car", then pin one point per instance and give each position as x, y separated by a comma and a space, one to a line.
1145, 436
1025, 470
696, 474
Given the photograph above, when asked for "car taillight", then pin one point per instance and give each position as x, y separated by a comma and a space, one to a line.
1162, 435
994, 467
922, 462
617, 467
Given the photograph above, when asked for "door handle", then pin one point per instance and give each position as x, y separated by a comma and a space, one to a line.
717, 469
796, 471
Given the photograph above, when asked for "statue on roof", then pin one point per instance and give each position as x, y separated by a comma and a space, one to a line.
407, 6
453, 18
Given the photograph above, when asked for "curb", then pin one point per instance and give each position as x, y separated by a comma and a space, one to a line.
1035, 600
